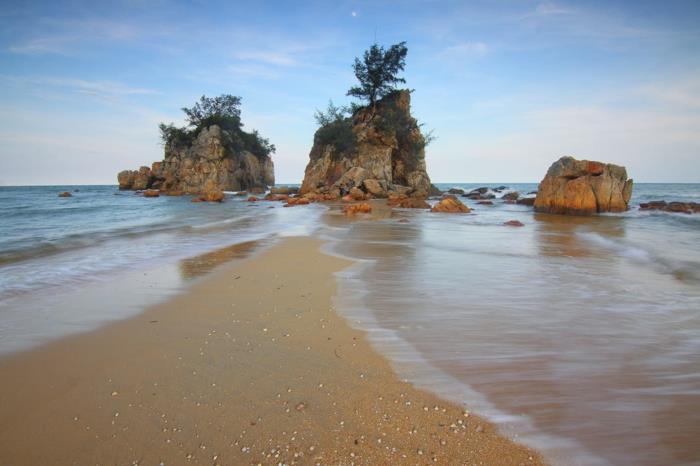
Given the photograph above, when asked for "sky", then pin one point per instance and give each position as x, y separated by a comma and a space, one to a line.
506, 86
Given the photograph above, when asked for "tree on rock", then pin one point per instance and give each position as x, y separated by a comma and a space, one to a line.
225, 106
378, 72
223, 111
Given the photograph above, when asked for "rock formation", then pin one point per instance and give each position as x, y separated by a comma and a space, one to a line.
211, 160
383, 152
677, 207
582, 187
450, 204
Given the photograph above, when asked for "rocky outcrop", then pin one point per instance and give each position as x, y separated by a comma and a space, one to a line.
65, 194
450, 204
582, 187
676, 207
383, 152
210, 158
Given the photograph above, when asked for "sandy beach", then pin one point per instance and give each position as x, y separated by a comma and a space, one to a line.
251, 365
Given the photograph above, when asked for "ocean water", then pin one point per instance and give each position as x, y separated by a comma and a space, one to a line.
577, 335
70, 264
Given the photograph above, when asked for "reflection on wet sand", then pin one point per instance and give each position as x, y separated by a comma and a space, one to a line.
197, 266
557, 234
553, 323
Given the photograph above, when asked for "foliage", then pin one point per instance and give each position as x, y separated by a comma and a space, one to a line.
225, 105
331, 115
335, 128
377, 72
171, 134
223, 111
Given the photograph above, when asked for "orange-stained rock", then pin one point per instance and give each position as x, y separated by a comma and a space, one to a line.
357, 194
582, 187
252, 199
405, 202
450, 204
212, 192
514, 223
346, 198
292, 201
151, 193
277, 197
362, 208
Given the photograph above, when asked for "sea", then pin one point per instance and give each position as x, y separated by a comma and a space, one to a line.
579, 336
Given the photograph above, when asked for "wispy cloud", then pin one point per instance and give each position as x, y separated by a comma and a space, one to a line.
107, 90
576, 21
281, 58
466, 49
66, 35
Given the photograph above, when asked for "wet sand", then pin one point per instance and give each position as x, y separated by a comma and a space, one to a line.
250, 366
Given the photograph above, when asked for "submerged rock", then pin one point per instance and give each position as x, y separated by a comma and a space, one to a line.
677, 207
65, 194
352, 209
450, 204
582, 187
514, 223
406, 202
151, 193
528, 201
379, 150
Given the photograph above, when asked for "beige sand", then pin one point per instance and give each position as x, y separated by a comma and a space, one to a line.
250, 366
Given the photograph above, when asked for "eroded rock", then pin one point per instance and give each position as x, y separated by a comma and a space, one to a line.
386, 153
583, 187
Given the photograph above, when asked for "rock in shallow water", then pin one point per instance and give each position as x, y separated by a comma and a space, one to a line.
450, 204
583, 187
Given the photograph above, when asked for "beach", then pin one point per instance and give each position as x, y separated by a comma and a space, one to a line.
250, 365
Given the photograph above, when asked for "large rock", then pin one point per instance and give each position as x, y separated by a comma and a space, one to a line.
387, 152
211, 158
582, 187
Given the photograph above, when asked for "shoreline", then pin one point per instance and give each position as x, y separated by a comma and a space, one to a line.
249, 365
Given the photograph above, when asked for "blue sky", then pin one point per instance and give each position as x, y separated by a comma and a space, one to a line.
508, 86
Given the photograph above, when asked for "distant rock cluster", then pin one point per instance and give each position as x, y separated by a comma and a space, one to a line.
209, 164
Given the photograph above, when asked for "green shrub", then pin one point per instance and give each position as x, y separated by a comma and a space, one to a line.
335, 128
223, 111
